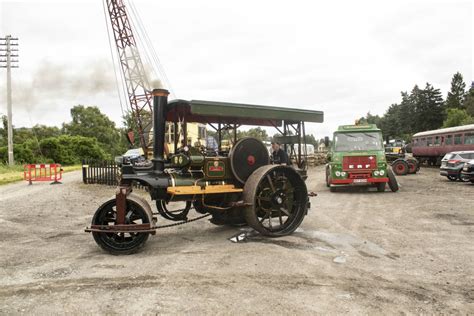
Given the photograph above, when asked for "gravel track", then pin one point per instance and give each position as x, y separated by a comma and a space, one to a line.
357, 251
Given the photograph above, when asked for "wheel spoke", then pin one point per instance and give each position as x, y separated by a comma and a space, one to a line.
264, 217
271, 183
285, 211
264, 198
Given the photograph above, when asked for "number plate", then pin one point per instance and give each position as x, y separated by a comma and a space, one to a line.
360, 180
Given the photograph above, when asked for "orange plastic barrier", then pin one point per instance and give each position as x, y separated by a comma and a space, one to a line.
43, 172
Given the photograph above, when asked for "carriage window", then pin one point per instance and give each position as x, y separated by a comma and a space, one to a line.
457, 139
469, 138
429, 141
169, 134
449, 140
437, 140
423, 142
415, 142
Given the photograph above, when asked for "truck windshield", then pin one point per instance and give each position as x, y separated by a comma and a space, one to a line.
358, 141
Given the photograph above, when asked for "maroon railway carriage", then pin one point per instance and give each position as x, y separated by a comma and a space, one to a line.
431, 146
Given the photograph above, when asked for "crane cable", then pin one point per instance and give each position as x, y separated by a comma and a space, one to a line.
113, 60
148, 46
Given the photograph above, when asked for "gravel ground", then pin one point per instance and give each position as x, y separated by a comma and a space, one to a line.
357, 251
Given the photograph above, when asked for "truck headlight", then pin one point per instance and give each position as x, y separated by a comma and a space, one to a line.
338, 173
381, 172
343, 173
376, 173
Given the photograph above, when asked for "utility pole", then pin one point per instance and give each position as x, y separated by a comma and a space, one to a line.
9, 62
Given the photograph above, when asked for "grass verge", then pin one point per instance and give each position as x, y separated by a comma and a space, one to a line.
15, 173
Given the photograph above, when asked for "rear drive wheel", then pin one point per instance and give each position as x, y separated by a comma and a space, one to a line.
400, 167
120, 243
278, 200
412, 166
392, 181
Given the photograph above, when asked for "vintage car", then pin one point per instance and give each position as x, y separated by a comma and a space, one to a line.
467, 173
453, 163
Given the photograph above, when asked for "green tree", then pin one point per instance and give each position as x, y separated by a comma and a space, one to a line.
90, 122
310, 139
68, 150
43, 131
4, 131
130, 124
370, 119
428, 114
455, 97
469, 100
256, 132
457, 117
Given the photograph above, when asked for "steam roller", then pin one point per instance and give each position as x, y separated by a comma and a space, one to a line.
236, 187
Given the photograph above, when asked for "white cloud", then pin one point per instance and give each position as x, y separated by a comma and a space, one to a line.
345, 57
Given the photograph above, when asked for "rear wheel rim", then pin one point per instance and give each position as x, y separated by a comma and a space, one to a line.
400, 167
279, 202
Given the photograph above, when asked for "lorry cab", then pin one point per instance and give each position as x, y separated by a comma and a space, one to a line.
357, 157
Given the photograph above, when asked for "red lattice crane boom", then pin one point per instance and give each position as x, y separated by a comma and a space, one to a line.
135, 79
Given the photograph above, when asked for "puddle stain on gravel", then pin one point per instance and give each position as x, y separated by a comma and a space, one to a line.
455, 219
333, 243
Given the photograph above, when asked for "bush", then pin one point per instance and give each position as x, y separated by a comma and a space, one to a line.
69, 150
23, 153
65, 149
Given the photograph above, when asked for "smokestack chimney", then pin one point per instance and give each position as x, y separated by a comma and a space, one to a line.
160, 101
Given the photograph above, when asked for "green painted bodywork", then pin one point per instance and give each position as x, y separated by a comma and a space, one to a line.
217, 168
335, 158
239, 113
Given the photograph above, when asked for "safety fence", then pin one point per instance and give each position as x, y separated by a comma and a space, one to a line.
43, 172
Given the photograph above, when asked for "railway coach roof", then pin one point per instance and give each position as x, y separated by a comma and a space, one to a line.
463, 128
239, 113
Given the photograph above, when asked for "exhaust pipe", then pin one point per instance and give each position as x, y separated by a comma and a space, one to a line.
160, 101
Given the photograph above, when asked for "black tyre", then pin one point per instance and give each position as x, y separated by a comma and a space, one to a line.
120, 243
400, 167
277, 198
472, 181
463, 179
392, 181
327, 177
452, 178
381, 187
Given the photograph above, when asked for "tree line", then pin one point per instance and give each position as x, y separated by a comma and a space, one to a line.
424, 109
90, 134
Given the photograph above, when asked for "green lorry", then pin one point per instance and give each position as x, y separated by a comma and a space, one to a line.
357, 157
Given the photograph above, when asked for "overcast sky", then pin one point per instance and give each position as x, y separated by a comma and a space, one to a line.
342, 57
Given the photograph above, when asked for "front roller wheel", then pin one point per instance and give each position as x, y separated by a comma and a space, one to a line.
120, 243
277, 200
